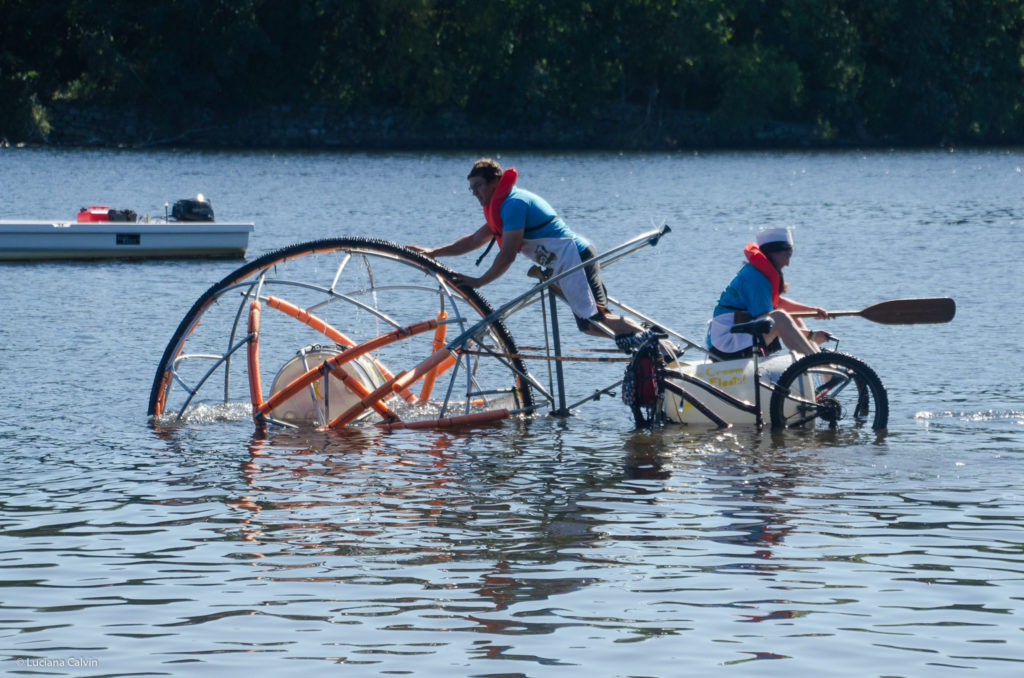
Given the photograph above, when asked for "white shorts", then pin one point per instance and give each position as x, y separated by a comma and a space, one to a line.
561, 254
724, 340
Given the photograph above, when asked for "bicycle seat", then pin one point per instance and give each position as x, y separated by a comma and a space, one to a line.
754, 327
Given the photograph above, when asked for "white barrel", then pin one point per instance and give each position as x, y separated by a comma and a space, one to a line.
735, 377
323, 399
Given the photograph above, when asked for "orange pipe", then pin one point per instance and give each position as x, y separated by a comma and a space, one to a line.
312, 375
331, 333
391, 385
297, 384
446, 365
439, 334
445, 422
383, 340
378, 394
253, 356
305, 379
357, 387
309, 319
403, 380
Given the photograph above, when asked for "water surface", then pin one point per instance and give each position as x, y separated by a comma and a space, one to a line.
546, 547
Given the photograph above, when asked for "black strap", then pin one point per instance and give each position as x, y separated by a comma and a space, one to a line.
489, 246
534, 228
525, 230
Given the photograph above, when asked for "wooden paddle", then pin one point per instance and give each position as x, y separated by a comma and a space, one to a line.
902, 311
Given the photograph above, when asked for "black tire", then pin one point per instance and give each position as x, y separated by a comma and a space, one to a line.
644, 413
857, 397
390, 251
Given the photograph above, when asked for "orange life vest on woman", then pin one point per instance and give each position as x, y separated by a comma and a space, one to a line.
492, 210
760, 261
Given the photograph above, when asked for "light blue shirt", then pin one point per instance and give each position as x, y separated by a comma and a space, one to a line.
523, 209
749, 291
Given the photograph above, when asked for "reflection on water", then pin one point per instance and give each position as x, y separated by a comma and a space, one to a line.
388, 549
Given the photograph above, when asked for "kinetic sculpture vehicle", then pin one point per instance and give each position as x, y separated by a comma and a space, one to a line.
363, 332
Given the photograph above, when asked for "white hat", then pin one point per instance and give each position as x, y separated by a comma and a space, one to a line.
768, 235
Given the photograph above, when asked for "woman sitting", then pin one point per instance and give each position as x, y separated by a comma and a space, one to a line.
754, 293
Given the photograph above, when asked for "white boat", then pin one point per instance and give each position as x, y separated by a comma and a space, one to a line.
28, 240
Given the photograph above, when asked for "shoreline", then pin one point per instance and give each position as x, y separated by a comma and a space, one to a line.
323, 127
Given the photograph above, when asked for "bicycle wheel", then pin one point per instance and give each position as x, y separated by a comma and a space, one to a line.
345, 331
835, 388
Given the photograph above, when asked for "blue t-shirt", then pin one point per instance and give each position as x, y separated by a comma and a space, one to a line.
523, 209
749, 291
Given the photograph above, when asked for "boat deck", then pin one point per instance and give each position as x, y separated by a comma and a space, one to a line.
36, 240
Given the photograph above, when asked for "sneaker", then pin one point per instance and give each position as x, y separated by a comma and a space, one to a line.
629, 343
632, 342
625, 342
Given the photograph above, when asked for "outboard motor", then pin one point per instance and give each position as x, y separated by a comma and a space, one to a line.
193, 209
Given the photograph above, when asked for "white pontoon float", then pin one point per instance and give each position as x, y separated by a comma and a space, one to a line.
99, 232
35, 240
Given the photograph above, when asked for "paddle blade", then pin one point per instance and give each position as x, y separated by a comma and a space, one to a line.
911, 311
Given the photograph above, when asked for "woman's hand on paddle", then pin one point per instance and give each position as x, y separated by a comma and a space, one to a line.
802, 310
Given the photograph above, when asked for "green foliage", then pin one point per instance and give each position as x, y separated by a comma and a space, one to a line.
893, 71
32, 61
759, 84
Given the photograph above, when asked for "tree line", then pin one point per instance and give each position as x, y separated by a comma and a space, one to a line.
894, 71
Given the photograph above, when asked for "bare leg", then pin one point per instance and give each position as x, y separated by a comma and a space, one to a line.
617, 324
818, 337
791, 332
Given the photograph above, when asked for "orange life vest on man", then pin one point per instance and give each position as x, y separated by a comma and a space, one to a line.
760, 261
492, 210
